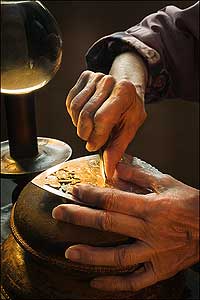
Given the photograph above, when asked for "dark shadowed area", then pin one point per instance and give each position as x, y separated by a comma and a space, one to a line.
168, 139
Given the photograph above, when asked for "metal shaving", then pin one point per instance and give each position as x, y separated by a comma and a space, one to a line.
86, 171
63, 179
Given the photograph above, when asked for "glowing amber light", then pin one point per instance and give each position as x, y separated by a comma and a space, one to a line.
31, 46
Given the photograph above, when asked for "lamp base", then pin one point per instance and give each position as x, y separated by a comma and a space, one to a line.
50, 152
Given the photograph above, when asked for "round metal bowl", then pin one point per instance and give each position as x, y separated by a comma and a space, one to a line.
33, 262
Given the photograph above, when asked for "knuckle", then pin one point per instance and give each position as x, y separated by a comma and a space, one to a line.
105, 221
70, 92
84, 115
99, 74
104, 120
86, 73
120, 257
127, 84
144, 230
70, 96
97, 77
154, 276
94, 99
87, 257
167, 177
99, 118
81, 133
109, 79
69, 217
112, 285
75, 106
87, 89
110, 200
164, 181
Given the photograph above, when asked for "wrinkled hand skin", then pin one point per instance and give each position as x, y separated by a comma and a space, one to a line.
103, 109
165, 223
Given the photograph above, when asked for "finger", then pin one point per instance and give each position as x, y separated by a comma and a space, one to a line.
117, 147
120, 256
134, 282
83, 96
109, 115
111, 199
100, 219
80, 84
85, 119
140, 173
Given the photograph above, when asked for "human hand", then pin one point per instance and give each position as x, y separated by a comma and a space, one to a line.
101, 108
164, 222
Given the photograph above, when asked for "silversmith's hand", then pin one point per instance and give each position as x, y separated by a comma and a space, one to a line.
164, 222
102, 105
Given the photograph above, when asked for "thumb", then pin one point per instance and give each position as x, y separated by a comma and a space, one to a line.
139, 172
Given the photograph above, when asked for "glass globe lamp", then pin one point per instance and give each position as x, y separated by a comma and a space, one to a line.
31, 51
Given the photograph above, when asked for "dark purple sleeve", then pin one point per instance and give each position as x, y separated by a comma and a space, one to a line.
168, 41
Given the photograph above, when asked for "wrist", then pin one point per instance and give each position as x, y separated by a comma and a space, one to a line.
130, 66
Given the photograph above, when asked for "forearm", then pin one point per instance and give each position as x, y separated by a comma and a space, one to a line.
130, 66
160, 39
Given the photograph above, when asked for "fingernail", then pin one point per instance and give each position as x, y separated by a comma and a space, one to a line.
72, 254
96, 283
57, 213
91, 147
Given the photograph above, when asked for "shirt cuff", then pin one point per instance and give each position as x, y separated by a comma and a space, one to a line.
101, 55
